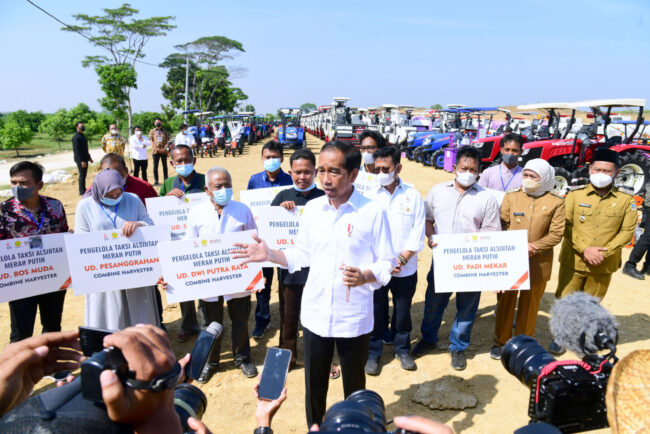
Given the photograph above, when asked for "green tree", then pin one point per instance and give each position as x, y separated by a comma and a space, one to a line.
56, 126
79, 113
30, 119
12, 135
436, 107
124, 37
308, 107
95, 128
146, 120
249, 108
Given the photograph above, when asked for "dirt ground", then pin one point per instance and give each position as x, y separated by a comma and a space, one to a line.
502, 399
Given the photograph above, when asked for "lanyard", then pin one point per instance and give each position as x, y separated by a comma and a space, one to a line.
40, 225
112, 219
513, 177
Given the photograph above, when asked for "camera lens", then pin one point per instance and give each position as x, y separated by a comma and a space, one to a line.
348, 415
374, 403
525, 358
189, 401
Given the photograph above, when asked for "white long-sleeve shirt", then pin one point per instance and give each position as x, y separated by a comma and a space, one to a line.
405, 210
184, 139
356, 234
139, 147
203, 221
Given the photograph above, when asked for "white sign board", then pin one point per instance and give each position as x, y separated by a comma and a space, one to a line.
481, 261
203, 268
33, 266
278, 227
366, 184
260, 196
107, 260
172, 211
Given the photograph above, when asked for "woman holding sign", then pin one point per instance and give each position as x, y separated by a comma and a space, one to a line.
109, 207
534, 208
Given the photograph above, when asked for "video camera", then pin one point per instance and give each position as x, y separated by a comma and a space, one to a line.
189, 400
568, 394
362, 411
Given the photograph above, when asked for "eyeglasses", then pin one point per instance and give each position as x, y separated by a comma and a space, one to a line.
367, 148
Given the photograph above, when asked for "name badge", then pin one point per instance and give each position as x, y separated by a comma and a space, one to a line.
519, 214
586, 205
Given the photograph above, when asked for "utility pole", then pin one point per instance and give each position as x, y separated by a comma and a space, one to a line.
187, 82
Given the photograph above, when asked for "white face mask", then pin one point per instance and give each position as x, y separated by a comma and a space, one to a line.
113, 132
466, 179
368, 158
529, 185
386, 178
138, 133
600, 180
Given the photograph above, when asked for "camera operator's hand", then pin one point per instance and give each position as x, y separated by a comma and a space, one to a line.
24, 363
198, 426
149, 354
421, 425
266, 409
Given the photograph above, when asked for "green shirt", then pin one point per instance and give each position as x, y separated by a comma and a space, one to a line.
196, 185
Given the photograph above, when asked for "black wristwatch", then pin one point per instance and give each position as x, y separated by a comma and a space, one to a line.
263, 430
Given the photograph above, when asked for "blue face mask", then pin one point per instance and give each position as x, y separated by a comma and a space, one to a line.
184, 169
222, 196
111, 202
272, 164
303, 190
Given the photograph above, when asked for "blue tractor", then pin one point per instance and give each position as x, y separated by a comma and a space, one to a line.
290, 133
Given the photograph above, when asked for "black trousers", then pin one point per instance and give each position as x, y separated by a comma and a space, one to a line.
140, 165
353, 355
83, 171
159, 158
402, 289
642, 246
188, 317
262, 309
23, 314
290, 298
239, 310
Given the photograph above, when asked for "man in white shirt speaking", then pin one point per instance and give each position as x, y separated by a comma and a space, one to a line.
345, 240
405, 209
139, 145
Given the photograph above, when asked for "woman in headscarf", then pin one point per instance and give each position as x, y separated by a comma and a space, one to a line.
109, 207
536, 208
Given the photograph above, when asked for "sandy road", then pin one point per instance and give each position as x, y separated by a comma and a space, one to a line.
59, 160
502, 400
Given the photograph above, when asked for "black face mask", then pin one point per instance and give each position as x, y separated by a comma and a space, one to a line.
82, 128
158, 125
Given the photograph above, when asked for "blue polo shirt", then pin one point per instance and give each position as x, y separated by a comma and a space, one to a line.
261, 180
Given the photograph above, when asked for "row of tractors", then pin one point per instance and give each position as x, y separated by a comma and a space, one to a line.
564, 134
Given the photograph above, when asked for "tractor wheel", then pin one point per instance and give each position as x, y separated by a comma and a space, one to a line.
438, 158
562, 181
417, 154
634, 174
426, 158
409, 153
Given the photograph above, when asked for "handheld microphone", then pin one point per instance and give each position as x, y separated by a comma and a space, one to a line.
580, 324
202, 349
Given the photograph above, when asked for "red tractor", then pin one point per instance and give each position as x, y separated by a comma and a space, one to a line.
571, 156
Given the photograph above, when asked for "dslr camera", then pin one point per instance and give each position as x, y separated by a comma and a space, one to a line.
567, 394
362, 411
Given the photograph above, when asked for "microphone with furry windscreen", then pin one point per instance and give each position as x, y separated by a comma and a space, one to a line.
581, 324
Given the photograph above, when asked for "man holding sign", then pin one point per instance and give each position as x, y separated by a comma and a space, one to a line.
186, 181
303, 172
27, 214
458, 206
271, 176
345, 239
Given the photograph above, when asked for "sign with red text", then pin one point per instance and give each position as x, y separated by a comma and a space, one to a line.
33, 266
172, 211
107, 260
203, 268
278, 227
260, 196
481, 261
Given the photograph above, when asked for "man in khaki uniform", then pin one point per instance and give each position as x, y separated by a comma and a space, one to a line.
535, 209
112, 142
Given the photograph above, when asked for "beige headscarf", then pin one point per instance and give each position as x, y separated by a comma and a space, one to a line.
546, 176
628, 394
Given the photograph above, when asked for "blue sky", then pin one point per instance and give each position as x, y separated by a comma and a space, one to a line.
374, 52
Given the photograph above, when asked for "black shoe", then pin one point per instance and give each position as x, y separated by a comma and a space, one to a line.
248, 369
423, 347
156, 183
556, 349
406, 361
208, 371
495, 352
631, 271
373, 367
458, 361
259, 331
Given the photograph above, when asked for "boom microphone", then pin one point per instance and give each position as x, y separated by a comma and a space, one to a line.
580, 324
